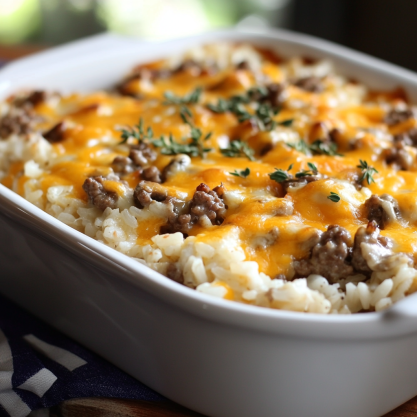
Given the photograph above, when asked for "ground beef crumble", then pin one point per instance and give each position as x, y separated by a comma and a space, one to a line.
329, 257
368, 234
301, 181
206, 207
140, 156
98, 196
31, 100
334, 259
394, 117
56, 133
408, 138
375, 209
312, 84
147, 191
18, 120
399, 156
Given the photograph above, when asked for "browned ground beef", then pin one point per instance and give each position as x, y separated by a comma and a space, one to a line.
142, 154
177, 164
205, 202
98, 196
399, 156
56, 133
294, 182
31, 100
375, 211
146, 192
123, 165
368, 234
275, 95
141, 73
394, 117
151, 174
139, 157
312, 84
408, 138
332, 257
329, 257
19, 120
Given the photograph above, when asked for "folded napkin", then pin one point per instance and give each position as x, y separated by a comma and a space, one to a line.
40, 367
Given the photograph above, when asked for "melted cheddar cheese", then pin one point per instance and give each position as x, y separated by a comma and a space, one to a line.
317, 119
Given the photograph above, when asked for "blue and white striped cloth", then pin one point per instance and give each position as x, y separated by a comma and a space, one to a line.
40, 367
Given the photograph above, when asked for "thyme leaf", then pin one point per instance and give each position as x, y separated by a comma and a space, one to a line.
137, 132
243, 174
170, 147
263, 115
305, 173
300, 146
237, 149
279, 175
334, 197
191, 98
319, 147
367, 172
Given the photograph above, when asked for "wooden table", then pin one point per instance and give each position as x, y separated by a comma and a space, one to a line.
104, 407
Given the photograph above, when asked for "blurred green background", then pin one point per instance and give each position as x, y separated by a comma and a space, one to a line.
56, 21
384, 28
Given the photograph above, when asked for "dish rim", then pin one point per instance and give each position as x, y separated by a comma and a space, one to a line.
398, 319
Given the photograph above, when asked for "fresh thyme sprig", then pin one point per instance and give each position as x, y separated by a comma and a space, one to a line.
300, 146
367, 172
263, 115
243, 174
191, 98
318, 147
334, 197
171, 147
237, 149
305, 173
279, 175
137, 132
197, 139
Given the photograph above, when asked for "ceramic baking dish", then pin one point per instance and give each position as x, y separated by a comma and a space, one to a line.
217, 357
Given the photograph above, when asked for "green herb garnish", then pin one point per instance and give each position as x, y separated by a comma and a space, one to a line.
279, 175
263, 115
367, 172
319, 147
137, 132
171, 147
305, 173
334, 197
243, 174
191, 98
300, 146
237, 149
286, 123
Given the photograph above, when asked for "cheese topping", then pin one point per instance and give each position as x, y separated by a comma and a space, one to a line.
263, 174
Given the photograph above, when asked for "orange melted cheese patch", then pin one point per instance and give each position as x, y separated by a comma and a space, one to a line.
274, 224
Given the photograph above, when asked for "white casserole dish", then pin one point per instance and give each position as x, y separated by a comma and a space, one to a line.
220, 358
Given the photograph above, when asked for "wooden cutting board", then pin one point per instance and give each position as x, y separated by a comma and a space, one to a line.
103, 407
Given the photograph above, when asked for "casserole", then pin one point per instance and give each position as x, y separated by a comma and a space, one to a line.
232, 359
